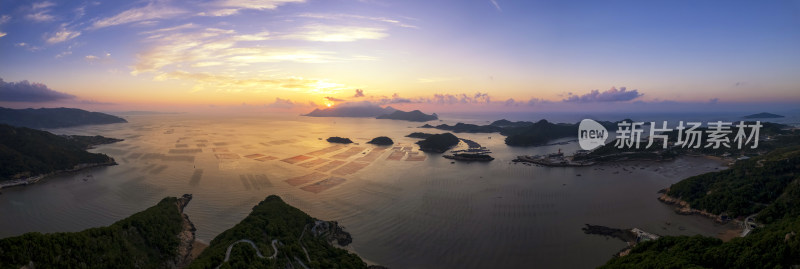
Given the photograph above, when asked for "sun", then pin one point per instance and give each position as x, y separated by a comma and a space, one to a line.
329, 104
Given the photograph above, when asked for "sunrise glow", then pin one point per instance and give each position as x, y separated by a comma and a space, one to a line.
477, 56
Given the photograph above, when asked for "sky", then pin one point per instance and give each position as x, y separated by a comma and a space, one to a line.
467, 55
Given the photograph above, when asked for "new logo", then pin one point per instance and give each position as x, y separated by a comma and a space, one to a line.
591, 134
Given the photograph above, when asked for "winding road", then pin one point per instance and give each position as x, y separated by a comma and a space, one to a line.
749, 224
253, 244
274, 247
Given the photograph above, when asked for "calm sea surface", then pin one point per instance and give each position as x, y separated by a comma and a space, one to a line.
420, 211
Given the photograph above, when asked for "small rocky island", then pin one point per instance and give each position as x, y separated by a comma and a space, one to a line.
340, 140
438, 143
381, 141
419, 135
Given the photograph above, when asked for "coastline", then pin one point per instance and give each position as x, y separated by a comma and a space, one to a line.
186, 248
35, 179
682, 207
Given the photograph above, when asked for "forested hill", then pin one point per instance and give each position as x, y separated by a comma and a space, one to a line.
750, 186
27, 152
768, 186
300, 241
54, 117
148, 239
774, 246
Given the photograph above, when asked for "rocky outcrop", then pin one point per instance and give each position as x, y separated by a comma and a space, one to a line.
683, 208
381, 141
340, 140
187, 236
332, 231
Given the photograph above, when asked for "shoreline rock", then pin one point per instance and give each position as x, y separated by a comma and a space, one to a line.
332, 231
682, 207
186, 236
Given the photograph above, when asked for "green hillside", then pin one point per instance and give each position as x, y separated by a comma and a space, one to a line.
148, 239
272, 225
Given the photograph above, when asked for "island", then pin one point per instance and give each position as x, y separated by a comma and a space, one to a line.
438, 143
277, 235
340, 140
29, 155
466, 128
381, 141
763, 115
521, 133
366, 110
161, 236
415, 115
504, 123
474, 153
539, 133
54, 117
419, 135
352, 111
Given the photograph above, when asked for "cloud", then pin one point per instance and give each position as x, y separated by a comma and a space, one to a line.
2, 34
42, 5
232, 83
232, 7
152, 11
4, 19
450, 99
511, 102
25, 91
282, 104
94, 102
359, 93
334, 99
41, 12
333, 33
64, 53
220, 12
611, 95
169, 29
62, 35
396, 99
40, 16
437, 79
350, 17
496, 6
254, 4
441, 99
27, 46
98, 59
213, 46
